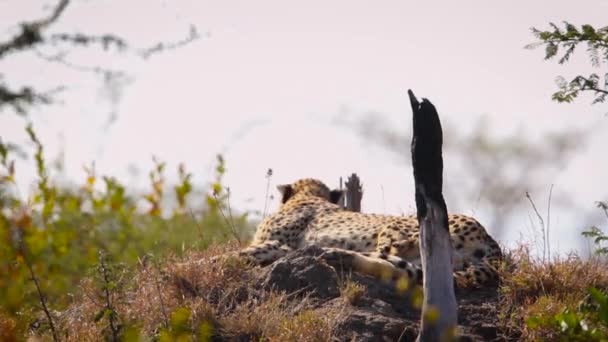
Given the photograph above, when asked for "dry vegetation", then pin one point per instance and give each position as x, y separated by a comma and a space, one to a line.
193, 298
534, 293
100, 268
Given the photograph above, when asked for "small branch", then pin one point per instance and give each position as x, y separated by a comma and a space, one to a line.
268, 176
32, 35
160, 47
198, 226
549, 223
604, 207
44, 23
586, 86
60, 59
157, 285
108, 296
105, 40
9, 96
228, 221
163, 310
17, 99
41, 296
557, 41
542, 224
31, 32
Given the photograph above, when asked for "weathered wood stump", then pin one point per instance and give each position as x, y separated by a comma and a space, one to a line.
354, 193
439, 309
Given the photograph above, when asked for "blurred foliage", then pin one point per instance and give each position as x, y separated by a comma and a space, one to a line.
483, 167
587, 322
561, 43
65, 232
598, 236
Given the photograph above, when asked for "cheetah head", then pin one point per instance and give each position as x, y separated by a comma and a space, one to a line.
309, 187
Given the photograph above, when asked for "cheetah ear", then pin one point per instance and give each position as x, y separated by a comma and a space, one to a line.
286, 191
336, 195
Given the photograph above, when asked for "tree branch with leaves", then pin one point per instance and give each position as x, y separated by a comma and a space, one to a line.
561, 42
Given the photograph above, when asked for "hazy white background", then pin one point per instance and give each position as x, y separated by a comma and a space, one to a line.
269, 83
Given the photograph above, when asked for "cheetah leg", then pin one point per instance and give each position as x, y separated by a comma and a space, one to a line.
408, 248
395, 239
476, 275
378, 265
385, 241
265, 253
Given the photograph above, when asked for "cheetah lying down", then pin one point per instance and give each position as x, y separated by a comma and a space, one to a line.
379, 245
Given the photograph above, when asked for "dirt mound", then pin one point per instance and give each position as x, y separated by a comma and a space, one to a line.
374, 310
299, 297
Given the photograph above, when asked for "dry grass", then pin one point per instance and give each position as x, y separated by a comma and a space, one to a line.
8, 328
220, 297
351, 291
532, 288
277, 318
223, 299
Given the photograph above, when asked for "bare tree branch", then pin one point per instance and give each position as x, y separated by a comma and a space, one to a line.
41, 296
61, 60
31, 32
106, 40
26, 95
160, 47
32, 37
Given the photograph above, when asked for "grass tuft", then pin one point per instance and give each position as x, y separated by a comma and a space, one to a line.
352, 291
533, 290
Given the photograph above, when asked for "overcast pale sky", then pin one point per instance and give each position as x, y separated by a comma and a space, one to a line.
267, 80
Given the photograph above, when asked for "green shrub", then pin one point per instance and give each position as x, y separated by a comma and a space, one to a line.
51, 238
587, 322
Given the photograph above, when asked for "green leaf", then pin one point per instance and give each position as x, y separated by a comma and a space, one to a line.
131, 334
99, 315
217, 188
551, 50
165, 336
534, 322
3, 152
180, 318
205, 331
545, 35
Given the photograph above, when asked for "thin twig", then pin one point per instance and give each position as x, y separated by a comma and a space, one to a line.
604, 208
229, 222
198, 226
549, 223
230, 216
61, 60
31, 31
586, 86
383, 201
163, 310
54, 16
193, 35
542, 224
108, 296
268, 176
40, 294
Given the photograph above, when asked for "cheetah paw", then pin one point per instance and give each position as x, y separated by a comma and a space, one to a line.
338, 257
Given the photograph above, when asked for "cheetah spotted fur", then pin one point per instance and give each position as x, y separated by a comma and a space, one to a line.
377, 245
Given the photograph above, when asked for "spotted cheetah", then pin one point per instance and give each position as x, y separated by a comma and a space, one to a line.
378, 245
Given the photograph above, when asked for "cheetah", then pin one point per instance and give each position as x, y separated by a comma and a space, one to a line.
378, 245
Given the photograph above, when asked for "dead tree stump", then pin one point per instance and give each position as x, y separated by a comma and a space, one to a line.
354, 193
439, 309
